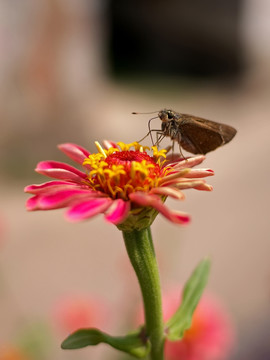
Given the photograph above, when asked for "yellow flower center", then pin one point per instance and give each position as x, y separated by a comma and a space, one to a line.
121, 172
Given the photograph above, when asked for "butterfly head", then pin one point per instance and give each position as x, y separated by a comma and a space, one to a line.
166, 115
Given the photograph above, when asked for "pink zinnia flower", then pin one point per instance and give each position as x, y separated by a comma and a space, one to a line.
129, 186
210, 336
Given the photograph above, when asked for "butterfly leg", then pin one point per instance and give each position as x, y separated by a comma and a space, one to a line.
159, 137
180, 151
149, 133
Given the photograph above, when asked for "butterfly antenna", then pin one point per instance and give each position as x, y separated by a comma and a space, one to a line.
144, 113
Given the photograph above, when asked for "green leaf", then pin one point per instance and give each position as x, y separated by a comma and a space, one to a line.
181, 320
132, 343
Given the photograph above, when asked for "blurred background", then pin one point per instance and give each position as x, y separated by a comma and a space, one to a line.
73, 71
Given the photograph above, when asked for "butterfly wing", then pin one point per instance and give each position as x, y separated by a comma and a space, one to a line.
199, 136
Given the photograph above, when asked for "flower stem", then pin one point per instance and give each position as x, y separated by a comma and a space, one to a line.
141, 253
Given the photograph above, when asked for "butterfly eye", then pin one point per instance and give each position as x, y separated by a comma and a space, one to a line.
170, 115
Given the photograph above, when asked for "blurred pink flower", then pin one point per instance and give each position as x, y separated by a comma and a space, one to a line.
75, 312
116, 181
211, 334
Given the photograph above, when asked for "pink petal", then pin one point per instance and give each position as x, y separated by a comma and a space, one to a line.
49, 186
32, 203
184, 183
118, 211
75, 152
175, 175
168, 191
60, 171
154, 201
65, 198
204, 187
187, 163
199, 173
108, 144
88, 209
190, 183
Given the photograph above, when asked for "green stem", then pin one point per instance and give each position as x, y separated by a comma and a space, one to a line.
141, 253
